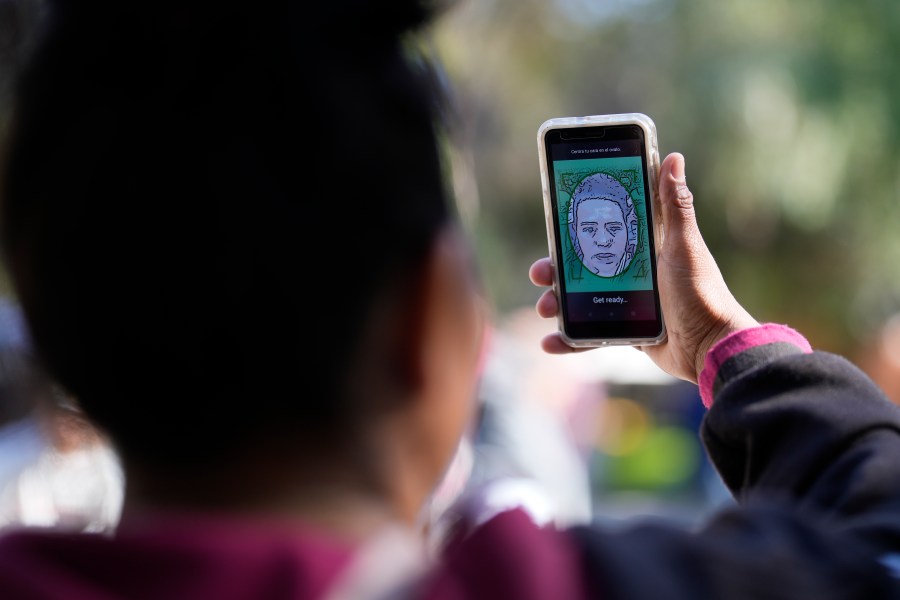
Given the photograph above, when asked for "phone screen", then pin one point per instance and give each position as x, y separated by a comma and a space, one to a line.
600, 199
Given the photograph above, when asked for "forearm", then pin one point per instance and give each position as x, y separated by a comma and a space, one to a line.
807, 444
757, 551
791, 423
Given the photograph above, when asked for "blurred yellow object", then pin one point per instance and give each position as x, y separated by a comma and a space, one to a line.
622, 426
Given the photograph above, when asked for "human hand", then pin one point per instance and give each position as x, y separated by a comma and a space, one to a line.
698, 308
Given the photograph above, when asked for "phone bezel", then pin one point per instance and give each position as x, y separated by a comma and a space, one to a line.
604, 333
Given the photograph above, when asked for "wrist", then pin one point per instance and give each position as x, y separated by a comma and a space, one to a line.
755, 345
738, 321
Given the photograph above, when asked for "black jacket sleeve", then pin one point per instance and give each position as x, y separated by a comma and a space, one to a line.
811, 450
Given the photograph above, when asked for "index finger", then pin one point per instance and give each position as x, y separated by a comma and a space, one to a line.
541, 272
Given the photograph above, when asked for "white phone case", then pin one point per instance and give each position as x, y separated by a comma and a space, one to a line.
652, 152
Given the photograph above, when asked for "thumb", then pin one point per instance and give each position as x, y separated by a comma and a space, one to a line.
677, 201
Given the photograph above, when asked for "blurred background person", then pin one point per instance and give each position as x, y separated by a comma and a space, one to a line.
881, 358
55, 470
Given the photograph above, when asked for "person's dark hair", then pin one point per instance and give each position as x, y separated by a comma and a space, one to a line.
172, 184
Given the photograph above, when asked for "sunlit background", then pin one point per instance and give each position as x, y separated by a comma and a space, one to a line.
789, 116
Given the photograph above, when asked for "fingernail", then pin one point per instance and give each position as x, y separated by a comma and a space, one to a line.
678, 169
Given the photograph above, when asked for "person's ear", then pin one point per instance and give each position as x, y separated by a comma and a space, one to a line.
442, 322
410, 329
427, 322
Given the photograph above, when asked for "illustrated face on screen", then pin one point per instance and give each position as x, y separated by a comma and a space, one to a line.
603, 225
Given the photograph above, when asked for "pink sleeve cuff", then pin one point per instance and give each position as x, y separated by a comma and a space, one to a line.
741, 341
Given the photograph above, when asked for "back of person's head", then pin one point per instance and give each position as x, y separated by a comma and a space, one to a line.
203, 206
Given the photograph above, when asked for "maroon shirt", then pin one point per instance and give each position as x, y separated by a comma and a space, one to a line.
181, 557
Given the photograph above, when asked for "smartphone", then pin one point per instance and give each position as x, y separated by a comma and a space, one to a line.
600, 182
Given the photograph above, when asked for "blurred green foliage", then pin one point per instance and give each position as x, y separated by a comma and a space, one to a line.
788, 114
